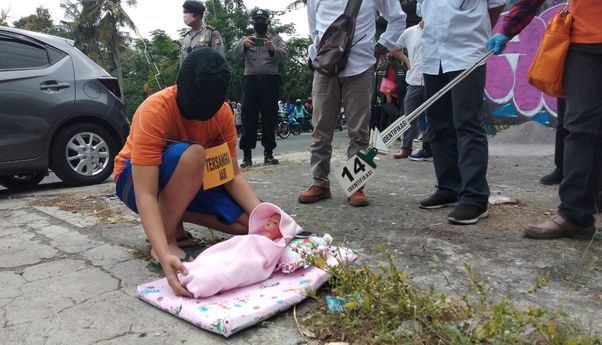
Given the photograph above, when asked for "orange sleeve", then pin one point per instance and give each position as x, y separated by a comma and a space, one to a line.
150, 125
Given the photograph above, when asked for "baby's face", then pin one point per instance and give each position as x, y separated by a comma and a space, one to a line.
271, 229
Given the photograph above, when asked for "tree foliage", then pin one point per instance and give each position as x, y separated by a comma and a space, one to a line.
96, 27
151, 64
4, 17
41, 21
296, 75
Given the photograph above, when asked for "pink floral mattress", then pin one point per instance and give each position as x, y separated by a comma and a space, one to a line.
231, 311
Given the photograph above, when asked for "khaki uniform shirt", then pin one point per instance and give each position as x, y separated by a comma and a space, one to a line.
258, 60
206, 36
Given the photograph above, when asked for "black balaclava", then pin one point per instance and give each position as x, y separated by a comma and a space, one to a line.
202, 84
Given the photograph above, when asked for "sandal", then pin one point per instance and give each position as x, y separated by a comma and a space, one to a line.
186, 241
154, 263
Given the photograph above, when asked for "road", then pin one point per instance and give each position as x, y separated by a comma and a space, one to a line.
294, 143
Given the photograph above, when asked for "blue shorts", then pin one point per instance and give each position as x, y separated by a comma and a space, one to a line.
215, 201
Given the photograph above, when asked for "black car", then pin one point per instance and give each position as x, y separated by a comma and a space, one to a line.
58, 110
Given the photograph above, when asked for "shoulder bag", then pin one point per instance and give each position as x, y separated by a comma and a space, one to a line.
335, 44
547, 70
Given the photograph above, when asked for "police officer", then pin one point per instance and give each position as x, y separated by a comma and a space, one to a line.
199, 35
262, 52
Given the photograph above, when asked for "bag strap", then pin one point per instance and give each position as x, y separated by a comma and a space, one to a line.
352, 8
566, 6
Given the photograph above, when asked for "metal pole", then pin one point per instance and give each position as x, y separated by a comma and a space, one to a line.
446, 88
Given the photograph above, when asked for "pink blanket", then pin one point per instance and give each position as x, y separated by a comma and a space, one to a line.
241, 260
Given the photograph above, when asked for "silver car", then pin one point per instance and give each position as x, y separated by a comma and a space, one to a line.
58, 110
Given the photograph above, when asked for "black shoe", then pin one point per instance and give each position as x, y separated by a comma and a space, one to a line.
465, 214
436, 201
421, 155
555, 177
268, 159
247, 159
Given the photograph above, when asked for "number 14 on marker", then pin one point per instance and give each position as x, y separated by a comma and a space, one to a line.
354, 174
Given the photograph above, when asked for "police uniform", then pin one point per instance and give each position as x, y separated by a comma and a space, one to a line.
207, 36
261, 92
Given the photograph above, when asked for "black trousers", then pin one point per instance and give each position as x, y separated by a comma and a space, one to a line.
583, 143
561, 133
260, 96
457, 137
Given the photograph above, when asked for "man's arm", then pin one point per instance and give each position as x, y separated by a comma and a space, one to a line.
313, 32
239, 49
396, 22
401, 57
218, 43
240, 190
145, 179
279, 51
399, 45
520, 16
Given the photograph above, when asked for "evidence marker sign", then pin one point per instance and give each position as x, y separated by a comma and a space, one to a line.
218, 166
355, 174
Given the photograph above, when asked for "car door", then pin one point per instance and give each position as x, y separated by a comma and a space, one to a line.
37, 89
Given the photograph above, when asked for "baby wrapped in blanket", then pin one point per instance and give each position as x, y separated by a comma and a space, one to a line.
242, 260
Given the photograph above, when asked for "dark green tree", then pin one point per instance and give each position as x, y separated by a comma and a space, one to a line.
134, 80
162, 58
41, 21
296, 75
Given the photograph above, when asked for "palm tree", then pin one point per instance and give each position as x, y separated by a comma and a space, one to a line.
296, 4
97, 22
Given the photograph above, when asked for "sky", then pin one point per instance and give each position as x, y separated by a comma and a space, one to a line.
149, 15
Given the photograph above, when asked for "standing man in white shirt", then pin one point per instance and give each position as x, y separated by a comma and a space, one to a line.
351, 87
454, 37
411, 39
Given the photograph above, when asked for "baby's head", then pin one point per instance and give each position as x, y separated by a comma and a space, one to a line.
271, 229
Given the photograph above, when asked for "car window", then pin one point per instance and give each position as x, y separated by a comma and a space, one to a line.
17, 54
54, 54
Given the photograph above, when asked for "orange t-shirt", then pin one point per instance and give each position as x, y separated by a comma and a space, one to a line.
158, 123
587, 21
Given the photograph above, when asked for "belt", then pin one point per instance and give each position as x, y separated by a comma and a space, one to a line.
262, 77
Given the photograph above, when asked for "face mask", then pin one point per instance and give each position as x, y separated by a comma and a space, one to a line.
188, 18
261, 28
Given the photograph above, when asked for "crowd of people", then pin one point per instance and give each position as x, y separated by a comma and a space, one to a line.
162, 171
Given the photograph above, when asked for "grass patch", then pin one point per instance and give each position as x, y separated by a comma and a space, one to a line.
90, 205
380, 306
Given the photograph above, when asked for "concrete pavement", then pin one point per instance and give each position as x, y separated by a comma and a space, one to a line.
71, 258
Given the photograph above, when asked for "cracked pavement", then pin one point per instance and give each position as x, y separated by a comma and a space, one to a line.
70, 276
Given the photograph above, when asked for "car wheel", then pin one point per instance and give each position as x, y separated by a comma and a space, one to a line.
83, 154
23, 181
